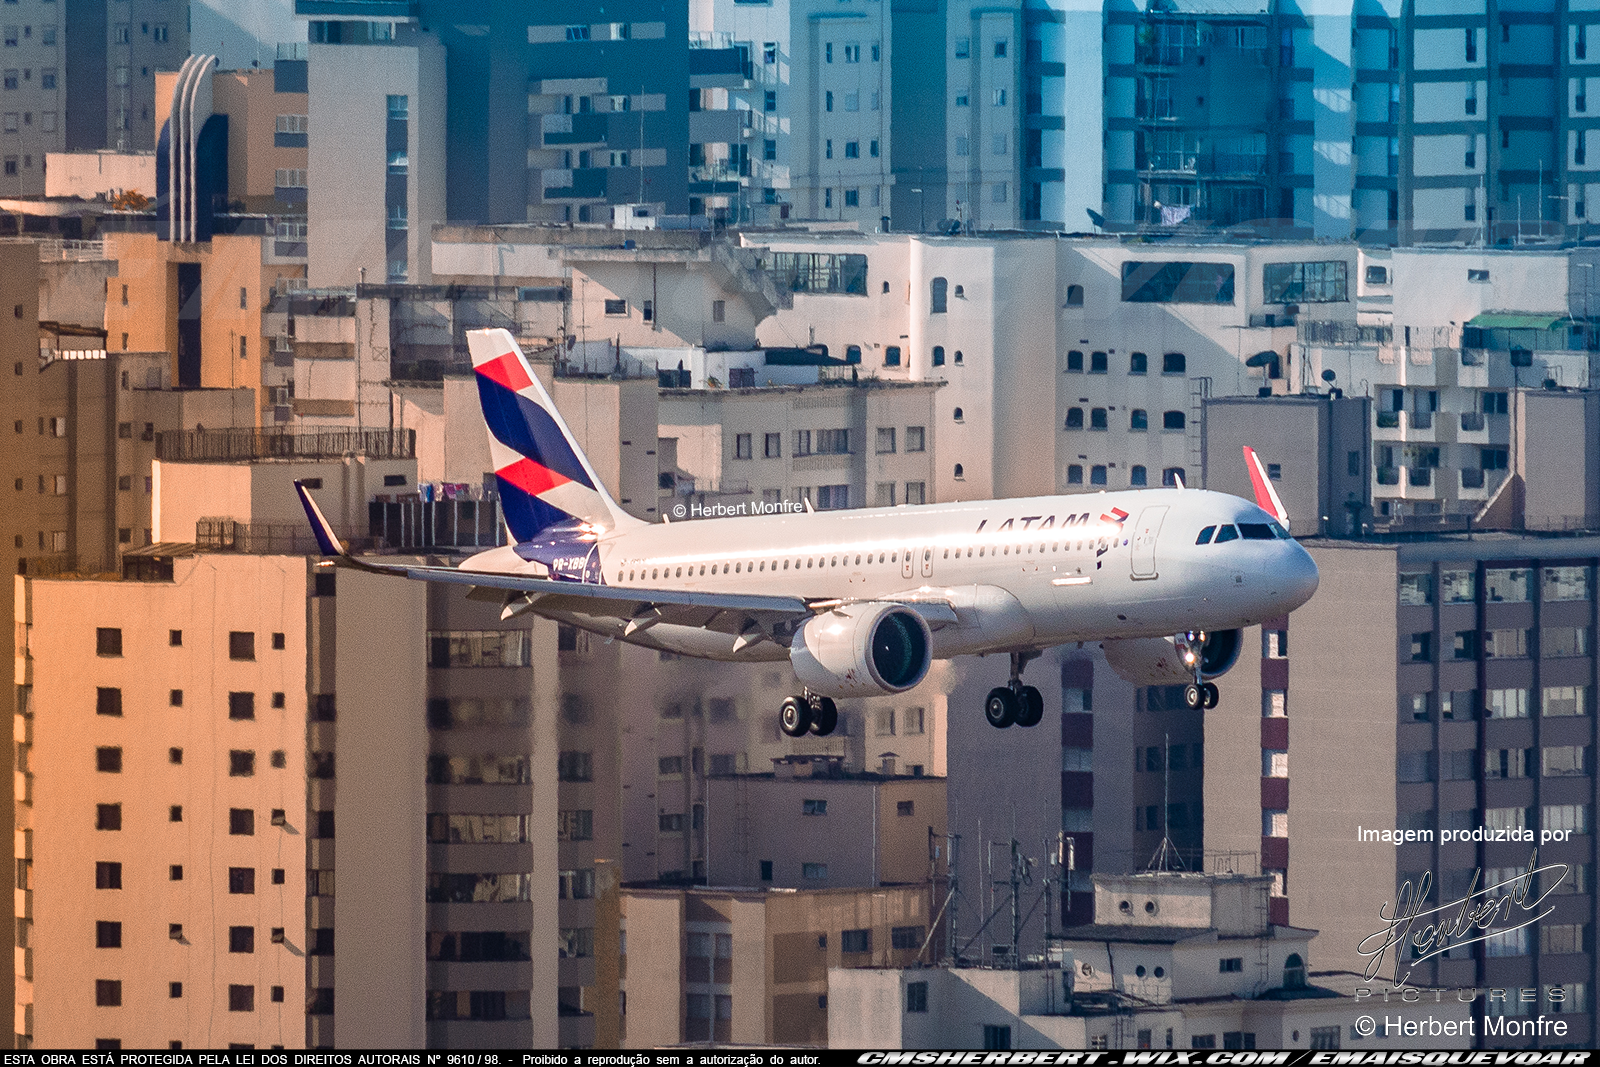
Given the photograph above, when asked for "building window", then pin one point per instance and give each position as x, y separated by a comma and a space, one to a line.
916, 997
108, 816
108, 701
241, 822
108, 641
1173, 420
107, 875
996, 1038
107, 993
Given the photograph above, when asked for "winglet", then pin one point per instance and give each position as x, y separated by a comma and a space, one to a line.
1266, 496
326, 540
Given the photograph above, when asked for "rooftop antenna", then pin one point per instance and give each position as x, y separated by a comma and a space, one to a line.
1166, 857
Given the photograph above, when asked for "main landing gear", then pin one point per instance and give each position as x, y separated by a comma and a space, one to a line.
800, 715
1014, 703
1199, 693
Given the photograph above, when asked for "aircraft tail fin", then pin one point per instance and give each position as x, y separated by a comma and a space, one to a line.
1266, 496
544, 478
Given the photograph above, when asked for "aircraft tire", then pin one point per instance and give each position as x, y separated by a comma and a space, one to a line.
1194, 697
824, 716
794, 716
1001, 707
1031, 712
1212, 694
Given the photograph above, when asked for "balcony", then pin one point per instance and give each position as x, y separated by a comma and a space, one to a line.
1422, 420
1472, 422
1388, 476
1471, 478
1388, 420
1234, 163
1419, 476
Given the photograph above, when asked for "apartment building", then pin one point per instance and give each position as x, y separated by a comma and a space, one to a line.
837, 445
1486, 660
201, 303
800, 825
752, 967
166, 871
110, 55
376, 117
266, 112
242, 782
33, 95
816, 103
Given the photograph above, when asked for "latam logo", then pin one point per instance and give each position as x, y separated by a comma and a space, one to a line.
1116, 518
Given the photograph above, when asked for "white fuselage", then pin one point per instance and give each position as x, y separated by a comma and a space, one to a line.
1020, 574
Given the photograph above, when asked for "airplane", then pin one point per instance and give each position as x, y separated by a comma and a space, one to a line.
860, 602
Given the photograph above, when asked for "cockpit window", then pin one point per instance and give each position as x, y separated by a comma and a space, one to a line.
1256, 531
1226, 533
1282, 534
1205, 536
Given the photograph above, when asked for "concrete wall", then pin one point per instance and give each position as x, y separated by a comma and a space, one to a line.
380, 814
100, 174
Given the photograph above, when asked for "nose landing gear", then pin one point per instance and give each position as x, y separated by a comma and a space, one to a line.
808, 713
1199, 693
1014, 703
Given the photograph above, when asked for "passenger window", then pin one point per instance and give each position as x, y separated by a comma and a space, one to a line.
1205, 536
1226, 533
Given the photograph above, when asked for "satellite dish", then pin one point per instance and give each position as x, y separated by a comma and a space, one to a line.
1328, 376
1262, 359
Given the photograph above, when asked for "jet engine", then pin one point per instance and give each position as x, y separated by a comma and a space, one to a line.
1165, 660
861, 650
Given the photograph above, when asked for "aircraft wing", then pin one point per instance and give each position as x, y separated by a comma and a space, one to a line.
732, 613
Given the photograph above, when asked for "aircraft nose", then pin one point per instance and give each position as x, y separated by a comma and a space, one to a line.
1293, 576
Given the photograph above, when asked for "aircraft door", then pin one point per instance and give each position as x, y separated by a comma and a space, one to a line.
1145, 533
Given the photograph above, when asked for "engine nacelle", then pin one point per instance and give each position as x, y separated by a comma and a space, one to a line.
1161, 660
862, 650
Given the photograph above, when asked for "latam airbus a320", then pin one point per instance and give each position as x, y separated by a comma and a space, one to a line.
861, 602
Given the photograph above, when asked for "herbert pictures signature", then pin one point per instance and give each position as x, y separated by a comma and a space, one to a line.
1492, 909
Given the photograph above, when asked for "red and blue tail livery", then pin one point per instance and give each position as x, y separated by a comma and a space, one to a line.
543, 478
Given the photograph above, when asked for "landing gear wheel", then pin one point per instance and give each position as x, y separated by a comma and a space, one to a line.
1001, 708
824, 716
1193, 697
1032, 710
794, 717
1211, 694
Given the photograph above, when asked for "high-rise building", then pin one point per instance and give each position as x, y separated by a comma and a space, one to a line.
34, 106
815, 105
377, 120
198, 864
610, 86
1482, 648
110, 52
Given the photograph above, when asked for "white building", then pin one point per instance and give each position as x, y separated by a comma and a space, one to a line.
376, 121
1176, 962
